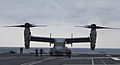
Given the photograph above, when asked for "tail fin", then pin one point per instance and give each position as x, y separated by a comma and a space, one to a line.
71, 37
50, 37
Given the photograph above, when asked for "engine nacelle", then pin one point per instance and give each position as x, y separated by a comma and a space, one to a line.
92, 45
93, 36
27, 34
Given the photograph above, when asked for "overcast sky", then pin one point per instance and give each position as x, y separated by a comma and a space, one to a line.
60, 16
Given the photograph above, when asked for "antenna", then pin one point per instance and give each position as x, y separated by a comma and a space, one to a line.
71, 37
50, 37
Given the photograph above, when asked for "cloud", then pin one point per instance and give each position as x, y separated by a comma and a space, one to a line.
74, 11
60, 14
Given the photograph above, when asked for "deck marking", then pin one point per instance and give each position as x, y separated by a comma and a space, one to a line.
115, 58
75, 58
92, 61
103, 61
36, 62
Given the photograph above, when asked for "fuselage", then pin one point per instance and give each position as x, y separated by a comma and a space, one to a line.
59, 47
59, 43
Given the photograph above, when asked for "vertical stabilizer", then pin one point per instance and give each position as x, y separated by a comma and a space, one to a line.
71, 37
50, 37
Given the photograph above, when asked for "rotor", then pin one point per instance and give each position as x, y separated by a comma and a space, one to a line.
27, 25
94, 26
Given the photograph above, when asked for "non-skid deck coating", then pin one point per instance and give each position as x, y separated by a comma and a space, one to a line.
83, 59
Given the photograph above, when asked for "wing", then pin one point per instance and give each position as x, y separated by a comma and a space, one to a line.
77, 40
53, 40
42, 39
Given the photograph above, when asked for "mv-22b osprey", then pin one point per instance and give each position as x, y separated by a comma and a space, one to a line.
59, 43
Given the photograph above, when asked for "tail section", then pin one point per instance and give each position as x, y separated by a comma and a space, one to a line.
50, 37
71, 37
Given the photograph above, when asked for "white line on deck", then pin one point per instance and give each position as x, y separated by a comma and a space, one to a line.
115, 58
36, 62
92, 61
73, 58
103, 61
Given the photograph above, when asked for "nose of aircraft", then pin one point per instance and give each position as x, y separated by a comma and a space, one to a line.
59, 49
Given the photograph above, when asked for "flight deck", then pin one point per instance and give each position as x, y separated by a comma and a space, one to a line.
81, 59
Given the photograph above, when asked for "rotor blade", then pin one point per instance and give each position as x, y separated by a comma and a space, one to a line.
99, 27
15, 26
30, 25
83, 26
39, 25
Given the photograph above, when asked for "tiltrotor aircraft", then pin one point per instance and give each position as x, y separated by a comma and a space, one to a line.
59, 43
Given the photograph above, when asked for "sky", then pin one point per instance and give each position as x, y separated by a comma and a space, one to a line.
60, 16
